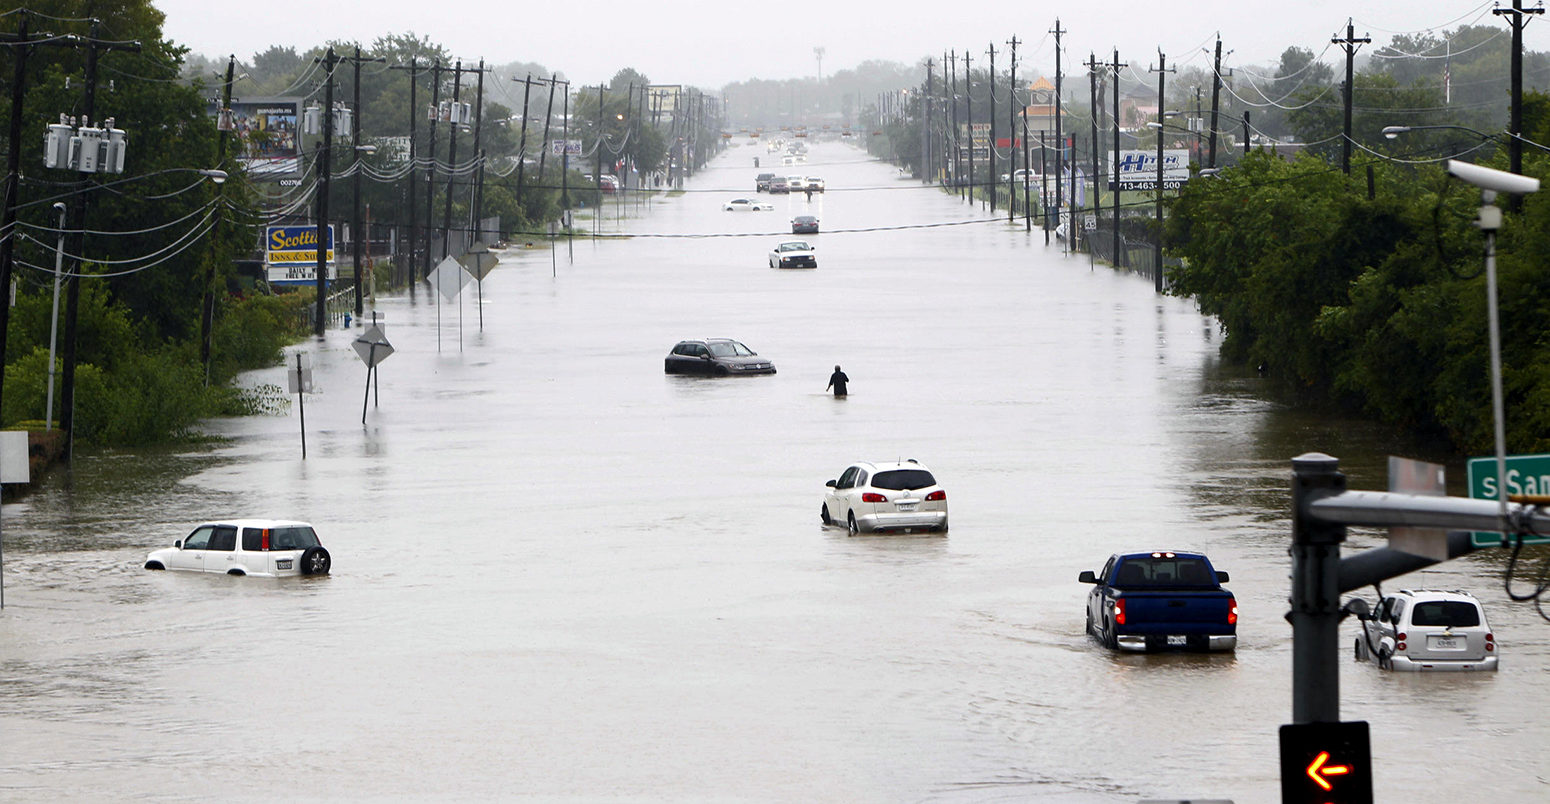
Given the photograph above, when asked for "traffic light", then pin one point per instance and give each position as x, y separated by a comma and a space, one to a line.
1326, 763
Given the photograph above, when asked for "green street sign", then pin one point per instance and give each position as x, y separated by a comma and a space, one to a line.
1526, 474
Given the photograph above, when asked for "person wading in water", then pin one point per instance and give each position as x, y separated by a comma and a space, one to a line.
837, 381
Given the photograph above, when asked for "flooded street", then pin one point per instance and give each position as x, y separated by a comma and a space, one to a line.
561, 574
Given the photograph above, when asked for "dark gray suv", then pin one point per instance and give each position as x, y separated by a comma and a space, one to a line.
718, 357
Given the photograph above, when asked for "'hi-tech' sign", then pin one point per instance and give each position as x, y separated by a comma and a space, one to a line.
1138, 169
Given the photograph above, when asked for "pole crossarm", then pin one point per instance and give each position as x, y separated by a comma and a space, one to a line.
1392, 509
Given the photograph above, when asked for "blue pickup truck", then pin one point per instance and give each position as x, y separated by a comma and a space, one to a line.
1161, 601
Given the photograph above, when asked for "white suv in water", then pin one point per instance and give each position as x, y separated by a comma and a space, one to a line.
268, 548
1427, 630
870, 497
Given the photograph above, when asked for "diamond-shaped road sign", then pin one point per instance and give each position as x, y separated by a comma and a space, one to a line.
479, 261
449, 277
373, 346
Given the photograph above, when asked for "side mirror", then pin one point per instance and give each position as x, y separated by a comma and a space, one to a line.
1221, 576
705, 358
1358, 607
178, 544
1087, 577
832, 484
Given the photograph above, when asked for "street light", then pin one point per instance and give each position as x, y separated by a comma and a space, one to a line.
1491, 182
217, 176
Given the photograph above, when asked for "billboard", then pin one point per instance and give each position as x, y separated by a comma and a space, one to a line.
268, 135
291, 254
1138, 169
664, 97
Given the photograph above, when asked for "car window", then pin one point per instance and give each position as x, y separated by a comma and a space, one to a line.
223, 538
683, 349
1163, 571
847, 480
292, 538
1397, 610
722, 349
861, 477
199, 539
1446, 614
1107, 568
742, 350
252, 539
900, 479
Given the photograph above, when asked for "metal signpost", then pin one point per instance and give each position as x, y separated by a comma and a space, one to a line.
300, 379
373, 347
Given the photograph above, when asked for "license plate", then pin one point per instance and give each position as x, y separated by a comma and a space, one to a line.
906, 506
1177, 640
283, 563
1447, 643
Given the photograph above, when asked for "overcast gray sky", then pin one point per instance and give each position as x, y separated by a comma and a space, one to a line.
710, 44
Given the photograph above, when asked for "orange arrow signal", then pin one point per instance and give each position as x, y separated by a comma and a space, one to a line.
1317, 770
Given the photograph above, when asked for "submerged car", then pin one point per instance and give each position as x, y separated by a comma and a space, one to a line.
1424, 630
718, 357
745, 204
804, 224
793, 254
879, 497
267, 548
761, 182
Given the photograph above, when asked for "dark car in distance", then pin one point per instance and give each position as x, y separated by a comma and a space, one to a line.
804, 224
761, 183
718, 357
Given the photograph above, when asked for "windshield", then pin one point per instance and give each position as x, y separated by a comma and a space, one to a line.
729, 349
901, 479
795, 246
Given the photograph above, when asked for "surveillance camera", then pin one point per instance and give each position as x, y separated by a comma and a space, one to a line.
1493, 180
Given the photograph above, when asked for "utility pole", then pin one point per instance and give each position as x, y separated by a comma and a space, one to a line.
1216, 97
527, 88
1157, 264
21, 49
1517, 17
430, 176
1115, 173
414, 225
356, 226
325, 167
453, 122
476, 204
992, 180
1348, 44
597, 214
1093, 104
1060, 140
1011, 134
73, 284
968, 103
925, 138
207, 303
543, 152
957, 146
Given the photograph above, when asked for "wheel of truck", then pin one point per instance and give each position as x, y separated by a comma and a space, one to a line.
1089, 627
1110, 639
316, 561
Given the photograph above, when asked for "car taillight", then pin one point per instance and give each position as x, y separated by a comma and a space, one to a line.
936, 496
1399, 640
264, 542
1232, 611
1490, 642
873, 497
1119, 611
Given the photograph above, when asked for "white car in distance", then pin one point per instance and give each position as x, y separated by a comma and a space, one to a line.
1425, 630
746, 205
874, 497
268, 548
